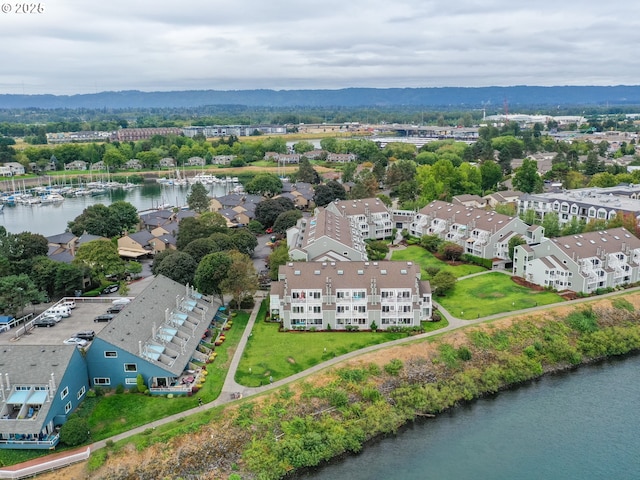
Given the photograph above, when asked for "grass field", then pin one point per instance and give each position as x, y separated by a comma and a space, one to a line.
425, 259
114, 413
271, 353
492, 293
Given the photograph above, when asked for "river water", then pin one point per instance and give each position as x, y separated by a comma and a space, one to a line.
582, 425
51, 219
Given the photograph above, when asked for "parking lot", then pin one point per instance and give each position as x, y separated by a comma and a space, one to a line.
81, 319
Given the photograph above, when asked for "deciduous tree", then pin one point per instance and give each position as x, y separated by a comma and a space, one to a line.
198, 199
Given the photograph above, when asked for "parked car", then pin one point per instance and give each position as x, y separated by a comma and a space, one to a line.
76, 341
44, 322
70, 303
85, 335
104, 318
59, 310
110, 289
116, 308
53, 316
123, 300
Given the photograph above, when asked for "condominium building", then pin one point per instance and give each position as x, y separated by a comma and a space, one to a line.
346, 295
481, 233
581, 263
369, 215
586, 204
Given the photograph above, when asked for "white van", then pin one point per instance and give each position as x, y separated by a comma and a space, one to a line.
69, 303
121, 301
60, 310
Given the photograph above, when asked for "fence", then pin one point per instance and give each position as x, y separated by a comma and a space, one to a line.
47, 466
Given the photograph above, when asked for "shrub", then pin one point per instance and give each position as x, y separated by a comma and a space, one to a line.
374, 326
464, 354
140, 383
120, 388
394, 367
352, 328
622, 304
584, 321
75, 431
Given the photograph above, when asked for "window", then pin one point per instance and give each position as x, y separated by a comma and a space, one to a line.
297, 309
67, 407
81, 392
102, 381
362, 309
64, 393
340, 294
111, 354
131, 381
130, 367
317, 309
316, 295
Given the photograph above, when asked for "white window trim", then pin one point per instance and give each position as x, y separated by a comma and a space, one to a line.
67, 407
115, 354
64, 393
106, 382
81, 392
135, 365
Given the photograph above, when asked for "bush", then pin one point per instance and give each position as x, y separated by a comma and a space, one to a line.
373, 326
140, 383
394, 367
75, 431
464, 354
120, 388
351, 328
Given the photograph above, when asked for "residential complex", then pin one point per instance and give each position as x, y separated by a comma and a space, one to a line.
482, 233
350, 295
370, 216
584, 204
581, 263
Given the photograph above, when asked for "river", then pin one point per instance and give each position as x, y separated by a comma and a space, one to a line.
582, 424
51, 219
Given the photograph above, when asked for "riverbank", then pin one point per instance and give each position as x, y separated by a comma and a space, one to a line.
340, 409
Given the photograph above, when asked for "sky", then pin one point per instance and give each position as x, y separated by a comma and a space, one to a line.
89, 46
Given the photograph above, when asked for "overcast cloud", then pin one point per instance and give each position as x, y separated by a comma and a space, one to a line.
87, 46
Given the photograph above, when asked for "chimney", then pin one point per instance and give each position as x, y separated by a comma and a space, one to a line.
6, 376
53, 381
140, 347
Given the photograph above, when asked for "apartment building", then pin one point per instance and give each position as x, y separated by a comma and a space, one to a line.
481, 233
581, 263
349, 295
325, 237
369, 215
586, 204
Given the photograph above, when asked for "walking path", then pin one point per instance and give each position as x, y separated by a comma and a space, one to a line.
231, 388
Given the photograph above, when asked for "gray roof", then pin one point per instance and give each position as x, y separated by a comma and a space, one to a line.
133, 327
61, 238
32, 365
314, 275
472, 217
595, 244
87, 237
360, 206
143, 237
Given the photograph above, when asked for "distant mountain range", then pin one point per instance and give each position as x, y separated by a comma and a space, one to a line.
445, 97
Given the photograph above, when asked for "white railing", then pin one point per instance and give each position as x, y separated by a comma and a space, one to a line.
33, 470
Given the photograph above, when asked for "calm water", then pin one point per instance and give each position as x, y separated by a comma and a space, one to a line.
51, 219
580, 425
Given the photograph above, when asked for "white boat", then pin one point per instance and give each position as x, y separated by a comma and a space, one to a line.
204, 178
52, 198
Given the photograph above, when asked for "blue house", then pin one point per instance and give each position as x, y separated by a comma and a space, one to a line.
158, 335
40, 386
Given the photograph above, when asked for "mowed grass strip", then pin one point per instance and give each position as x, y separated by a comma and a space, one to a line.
490, 294
271, 353
424, 258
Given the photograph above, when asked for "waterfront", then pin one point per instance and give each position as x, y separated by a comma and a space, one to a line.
580, 424
51, 219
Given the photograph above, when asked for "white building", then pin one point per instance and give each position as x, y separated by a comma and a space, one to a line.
369, 215
581, 263
350, 295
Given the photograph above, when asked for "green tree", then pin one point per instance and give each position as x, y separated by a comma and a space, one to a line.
279, 256
526, 178
306, 172
101, 258
443, 282
68, 278
491, 174
451, 251
377, 250
16, 292
244, 241
286, 220
513, 243
198, 200
241, 280
327, 193
431, 242
211, 271
201, 247
179, 267
75, 431
266, 184
551, 224
192, 228
124, 215
268, 210
303, 147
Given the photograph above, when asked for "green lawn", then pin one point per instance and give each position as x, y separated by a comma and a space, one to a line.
270, 353
424, 258
492, 293
115, 413
264, 163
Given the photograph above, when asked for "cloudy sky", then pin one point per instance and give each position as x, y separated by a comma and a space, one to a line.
87, 46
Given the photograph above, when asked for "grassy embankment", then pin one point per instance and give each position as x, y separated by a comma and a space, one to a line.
426, 259
338, 410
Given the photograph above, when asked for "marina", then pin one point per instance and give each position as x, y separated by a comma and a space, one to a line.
25, 210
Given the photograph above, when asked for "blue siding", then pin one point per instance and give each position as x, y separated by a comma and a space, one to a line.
75, 377
113, 367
